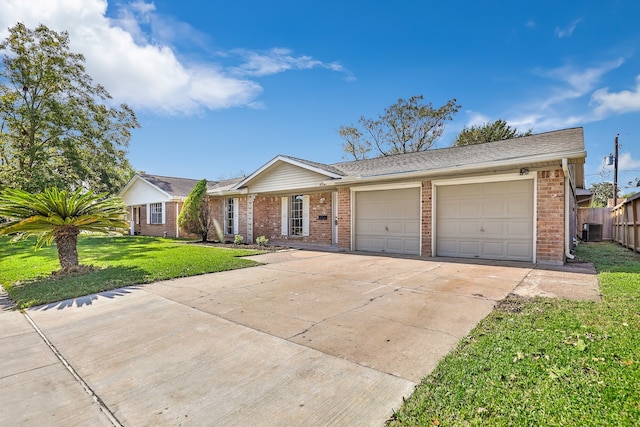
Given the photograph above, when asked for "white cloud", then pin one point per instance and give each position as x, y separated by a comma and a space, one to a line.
627, 162
131, 56
477, 119
568, 93
568, 30
277, 60
575, 82
617, 102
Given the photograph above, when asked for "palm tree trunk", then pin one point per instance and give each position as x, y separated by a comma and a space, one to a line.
67, 243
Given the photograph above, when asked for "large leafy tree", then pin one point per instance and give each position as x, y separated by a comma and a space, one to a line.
407, 126
601, 193
57, 128
58, 217
196, 216
488, 132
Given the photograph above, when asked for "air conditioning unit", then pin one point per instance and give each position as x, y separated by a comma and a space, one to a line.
592, 232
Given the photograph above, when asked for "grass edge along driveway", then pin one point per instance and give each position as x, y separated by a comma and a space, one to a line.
123, 261
544, 361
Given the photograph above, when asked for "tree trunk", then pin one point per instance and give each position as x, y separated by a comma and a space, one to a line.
67, 242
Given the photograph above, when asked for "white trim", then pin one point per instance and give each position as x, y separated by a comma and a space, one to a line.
284, 216
148, 213
393, 186
535, 218
305, 215
250, 200
334, 217
236, 215
138, 177
285, 160
164, 213
132, 227
481, 180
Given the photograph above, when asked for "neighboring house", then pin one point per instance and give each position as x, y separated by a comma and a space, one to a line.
506, 200
584, 198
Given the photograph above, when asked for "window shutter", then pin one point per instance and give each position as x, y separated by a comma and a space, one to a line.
305, 215
285, 216
148, 213
236, 211
164, 212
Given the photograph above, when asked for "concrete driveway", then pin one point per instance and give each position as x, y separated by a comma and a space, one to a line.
309, 338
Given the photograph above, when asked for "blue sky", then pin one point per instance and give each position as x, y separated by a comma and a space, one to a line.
220, 88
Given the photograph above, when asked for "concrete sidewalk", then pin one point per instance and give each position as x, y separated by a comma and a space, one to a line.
36, 388
310, 338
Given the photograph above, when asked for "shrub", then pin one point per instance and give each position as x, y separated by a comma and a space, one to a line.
238, 239
262, 241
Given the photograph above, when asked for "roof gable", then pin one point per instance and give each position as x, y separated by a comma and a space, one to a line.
139, 191
283, 173
145, 188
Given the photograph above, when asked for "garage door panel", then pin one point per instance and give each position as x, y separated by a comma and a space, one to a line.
492, 209
519, 208
412, 228
469, 248
521, 229
493, 229
487, 220
388, 221
519, 250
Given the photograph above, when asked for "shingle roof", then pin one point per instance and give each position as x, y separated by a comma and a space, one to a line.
224, 185
544, 144
328, 168
176, 187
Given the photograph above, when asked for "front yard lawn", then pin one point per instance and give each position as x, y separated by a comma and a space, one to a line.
544, 361
120, 261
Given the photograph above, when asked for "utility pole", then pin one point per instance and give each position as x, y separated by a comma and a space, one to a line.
615, 172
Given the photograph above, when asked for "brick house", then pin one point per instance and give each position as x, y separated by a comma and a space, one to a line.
154, 203
505, 200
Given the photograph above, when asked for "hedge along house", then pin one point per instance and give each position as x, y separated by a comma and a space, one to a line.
154, 203
504, 200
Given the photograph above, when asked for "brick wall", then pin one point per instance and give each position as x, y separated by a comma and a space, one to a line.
158, 230
267, 212
427, 203
550, 222
344, 219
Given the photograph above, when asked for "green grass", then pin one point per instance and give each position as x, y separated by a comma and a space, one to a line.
545, 361
120, 261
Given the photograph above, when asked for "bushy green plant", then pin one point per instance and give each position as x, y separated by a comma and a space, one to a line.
262, 241
238, 239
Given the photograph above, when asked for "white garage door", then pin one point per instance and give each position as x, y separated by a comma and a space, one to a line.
388, 221
491, 220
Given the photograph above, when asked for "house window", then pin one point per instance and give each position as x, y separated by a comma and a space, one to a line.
295, 215
156, 213
229, 217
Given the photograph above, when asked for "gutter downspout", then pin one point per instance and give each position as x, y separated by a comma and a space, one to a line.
567, 209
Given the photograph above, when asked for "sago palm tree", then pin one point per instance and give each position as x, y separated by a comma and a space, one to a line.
59, 216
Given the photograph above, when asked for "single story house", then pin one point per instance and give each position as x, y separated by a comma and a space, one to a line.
505, 200
154, 203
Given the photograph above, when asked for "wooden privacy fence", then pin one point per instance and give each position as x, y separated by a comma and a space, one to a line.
626, 223
601, 216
